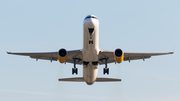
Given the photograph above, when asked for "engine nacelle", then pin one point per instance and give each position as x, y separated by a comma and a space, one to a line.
118, 55
62, 55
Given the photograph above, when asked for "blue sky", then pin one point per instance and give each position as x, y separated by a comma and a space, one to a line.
133, 26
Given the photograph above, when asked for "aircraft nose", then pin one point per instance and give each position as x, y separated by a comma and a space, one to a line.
90, 23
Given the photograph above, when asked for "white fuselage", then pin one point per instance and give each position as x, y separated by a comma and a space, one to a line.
90, 49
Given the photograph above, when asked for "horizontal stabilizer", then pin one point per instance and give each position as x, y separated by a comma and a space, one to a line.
107, 79
78, 79
81, 79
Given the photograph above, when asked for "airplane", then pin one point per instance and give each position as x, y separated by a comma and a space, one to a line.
90, 56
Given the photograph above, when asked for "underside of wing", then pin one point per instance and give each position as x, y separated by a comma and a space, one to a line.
106, 54
75, 54
53, 56
128, 56
135, 56
39, 55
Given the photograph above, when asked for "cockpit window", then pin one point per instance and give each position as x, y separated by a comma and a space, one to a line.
90, 17
94, 17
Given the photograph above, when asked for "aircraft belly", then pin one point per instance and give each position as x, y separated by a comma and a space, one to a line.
89, 57
90, 73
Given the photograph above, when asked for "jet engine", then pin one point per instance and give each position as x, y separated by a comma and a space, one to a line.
62, 55
118, 55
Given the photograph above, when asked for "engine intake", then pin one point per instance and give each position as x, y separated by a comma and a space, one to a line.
118, 55
62, 55
118, 52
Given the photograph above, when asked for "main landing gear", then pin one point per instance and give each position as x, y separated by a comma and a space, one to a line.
74, 70
106, 70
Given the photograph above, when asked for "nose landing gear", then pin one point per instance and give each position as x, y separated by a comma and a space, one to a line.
91, 32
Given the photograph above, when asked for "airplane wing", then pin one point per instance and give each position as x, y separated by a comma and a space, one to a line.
53, 56
128, 56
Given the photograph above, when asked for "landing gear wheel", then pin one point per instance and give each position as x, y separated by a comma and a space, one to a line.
90, 42
74, 70
106, 70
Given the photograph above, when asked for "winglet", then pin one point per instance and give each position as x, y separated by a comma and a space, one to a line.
171, 52
174, 48
8, 52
